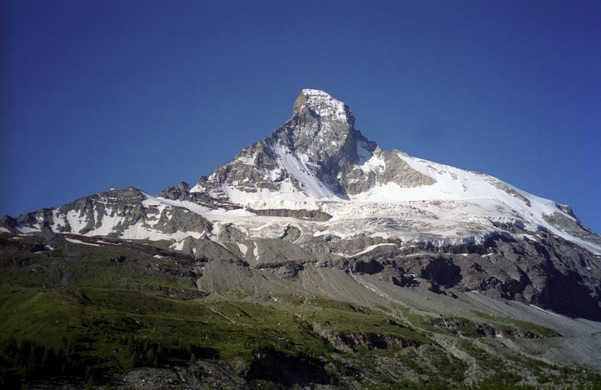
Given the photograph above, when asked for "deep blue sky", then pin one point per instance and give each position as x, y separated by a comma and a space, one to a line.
100, 94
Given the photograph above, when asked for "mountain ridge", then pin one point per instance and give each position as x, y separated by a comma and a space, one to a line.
318, 158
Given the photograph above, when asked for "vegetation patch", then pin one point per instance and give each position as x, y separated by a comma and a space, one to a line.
514, 327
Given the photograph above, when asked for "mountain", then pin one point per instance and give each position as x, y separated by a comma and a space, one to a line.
318, 161
318, 210
322, 185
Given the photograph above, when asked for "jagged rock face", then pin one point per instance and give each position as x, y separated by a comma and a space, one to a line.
252, 170
546, 271
322, 128
178, 192
318, 143
86, 214
118, 213
572, 226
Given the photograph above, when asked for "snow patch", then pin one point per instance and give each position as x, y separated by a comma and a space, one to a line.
371, 163
74, 241
179, 246
108, 243
325, 105
371, 248
243, 248
547, 311
162, 202
140, 232
27, 229
311, 185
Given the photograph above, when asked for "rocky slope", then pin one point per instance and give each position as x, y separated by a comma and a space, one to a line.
108, 312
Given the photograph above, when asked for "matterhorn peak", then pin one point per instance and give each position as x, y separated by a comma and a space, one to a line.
324, 106
321, 127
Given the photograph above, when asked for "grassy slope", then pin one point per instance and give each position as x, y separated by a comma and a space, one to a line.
84, 312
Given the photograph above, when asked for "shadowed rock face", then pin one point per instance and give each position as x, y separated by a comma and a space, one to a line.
573, 226
270, 364
551, 273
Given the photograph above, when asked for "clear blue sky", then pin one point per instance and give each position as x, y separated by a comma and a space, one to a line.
101, 94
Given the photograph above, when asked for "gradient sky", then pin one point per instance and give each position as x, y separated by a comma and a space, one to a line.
101, 94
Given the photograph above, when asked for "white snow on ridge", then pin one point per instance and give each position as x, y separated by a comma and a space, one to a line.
453, 184
156, 201
194, 207
459, 207
75, 221
324, 105
27, 230
547, 311
263, 195
370, 163
256, 251
313, 187
243, 248
485, 197
450, 209
74, 241
371, 248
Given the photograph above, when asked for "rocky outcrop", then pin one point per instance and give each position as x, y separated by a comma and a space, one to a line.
178, 192
274, 252
115, 213
549, 272
572, 225
230, 233
205, 250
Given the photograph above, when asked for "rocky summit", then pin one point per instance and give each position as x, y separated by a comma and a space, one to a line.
318, 217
